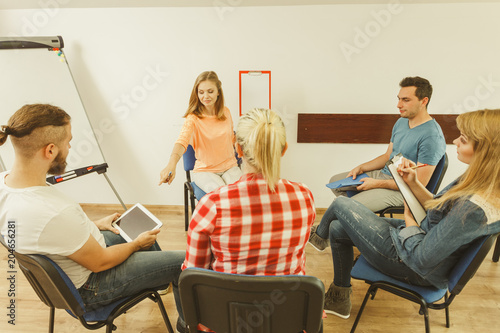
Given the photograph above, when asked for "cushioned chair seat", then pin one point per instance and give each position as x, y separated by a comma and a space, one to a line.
363, 269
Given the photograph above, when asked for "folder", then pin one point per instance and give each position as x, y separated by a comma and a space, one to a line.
347, 182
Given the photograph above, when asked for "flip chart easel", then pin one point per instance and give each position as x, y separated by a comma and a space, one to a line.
35, 70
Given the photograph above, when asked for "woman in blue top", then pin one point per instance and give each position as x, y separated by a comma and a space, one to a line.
466, 209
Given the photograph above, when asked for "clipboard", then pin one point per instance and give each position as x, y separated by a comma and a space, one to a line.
411, 200
255, 90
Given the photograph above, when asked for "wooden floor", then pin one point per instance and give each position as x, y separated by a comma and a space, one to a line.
476, 309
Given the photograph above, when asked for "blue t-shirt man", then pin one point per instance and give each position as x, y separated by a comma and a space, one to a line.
424, 143
416, 135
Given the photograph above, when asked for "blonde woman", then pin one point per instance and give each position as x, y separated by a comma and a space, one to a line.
209, 129
260, 224
466, 209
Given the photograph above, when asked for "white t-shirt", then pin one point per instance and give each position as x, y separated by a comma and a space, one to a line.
45, 221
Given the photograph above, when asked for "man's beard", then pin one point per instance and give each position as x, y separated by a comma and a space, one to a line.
58, 166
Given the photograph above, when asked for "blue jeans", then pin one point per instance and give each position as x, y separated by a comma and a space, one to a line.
358, 226
152, 268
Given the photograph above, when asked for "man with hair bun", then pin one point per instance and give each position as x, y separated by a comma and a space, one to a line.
99, 262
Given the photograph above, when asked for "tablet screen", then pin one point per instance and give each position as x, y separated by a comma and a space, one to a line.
135, 222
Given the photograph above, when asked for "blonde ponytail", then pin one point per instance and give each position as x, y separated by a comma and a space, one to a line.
262, 137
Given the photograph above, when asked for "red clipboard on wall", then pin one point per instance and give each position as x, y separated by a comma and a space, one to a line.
255, 90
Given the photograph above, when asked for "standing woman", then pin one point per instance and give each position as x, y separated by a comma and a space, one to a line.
209, 129
465, 210
260, 224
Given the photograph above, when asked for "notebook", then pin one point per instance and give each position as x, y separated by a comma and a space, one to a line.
412, 202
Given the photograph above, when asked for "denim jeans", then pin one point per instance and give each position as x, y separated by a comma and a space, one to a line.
358, 226
151, 268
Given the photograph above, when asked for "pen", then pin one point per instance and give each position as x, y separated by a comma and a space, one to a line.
418, 166
170, 174
415, 167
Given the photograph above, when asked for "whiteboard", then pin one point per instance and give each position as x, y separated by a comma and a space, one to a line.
255, 90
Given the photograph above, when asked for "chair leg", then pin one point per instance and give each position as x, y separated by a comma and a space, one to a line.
193, 205
373, 293
164, 314
191, 198
447, 310
426, 319
496, 251
358, 317
186, 209
51, 320
424, 310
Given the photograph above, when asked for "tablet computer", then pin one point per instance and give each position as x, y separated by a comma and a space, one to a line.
135, 221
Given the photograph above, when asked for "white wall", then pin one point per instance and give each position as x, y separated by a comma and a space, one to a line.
135, 67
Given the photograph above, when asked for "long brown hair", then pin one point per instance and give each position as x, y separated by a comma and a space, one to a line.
482, 177
196, 107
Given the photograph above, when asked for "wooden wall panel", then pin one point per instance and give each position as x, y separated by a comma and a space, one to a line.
359, 128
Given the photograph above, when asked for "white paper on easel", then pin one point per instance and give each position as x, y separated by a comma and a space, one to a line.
255, 87
411, 200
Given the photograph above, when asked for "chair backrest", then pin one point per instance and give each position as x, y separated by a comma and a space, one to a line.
469, 263
189, 159
246, 303
51, 284
438, 175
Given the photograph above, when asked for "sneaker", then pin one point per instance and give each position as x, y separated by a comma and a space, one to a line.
181, 326
338, 301
164, 291
316, 241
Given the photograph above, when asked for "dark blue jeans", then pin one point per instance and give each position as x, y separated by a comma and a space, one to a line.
357, 226
152, 268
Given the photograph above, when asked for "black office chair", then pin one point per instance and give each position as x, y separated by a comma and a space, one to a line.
56, 290
427, 297
247, 303
432, 186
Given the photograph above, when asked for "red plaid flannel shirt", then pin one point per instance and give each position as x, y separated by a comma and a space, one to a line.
244, 228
